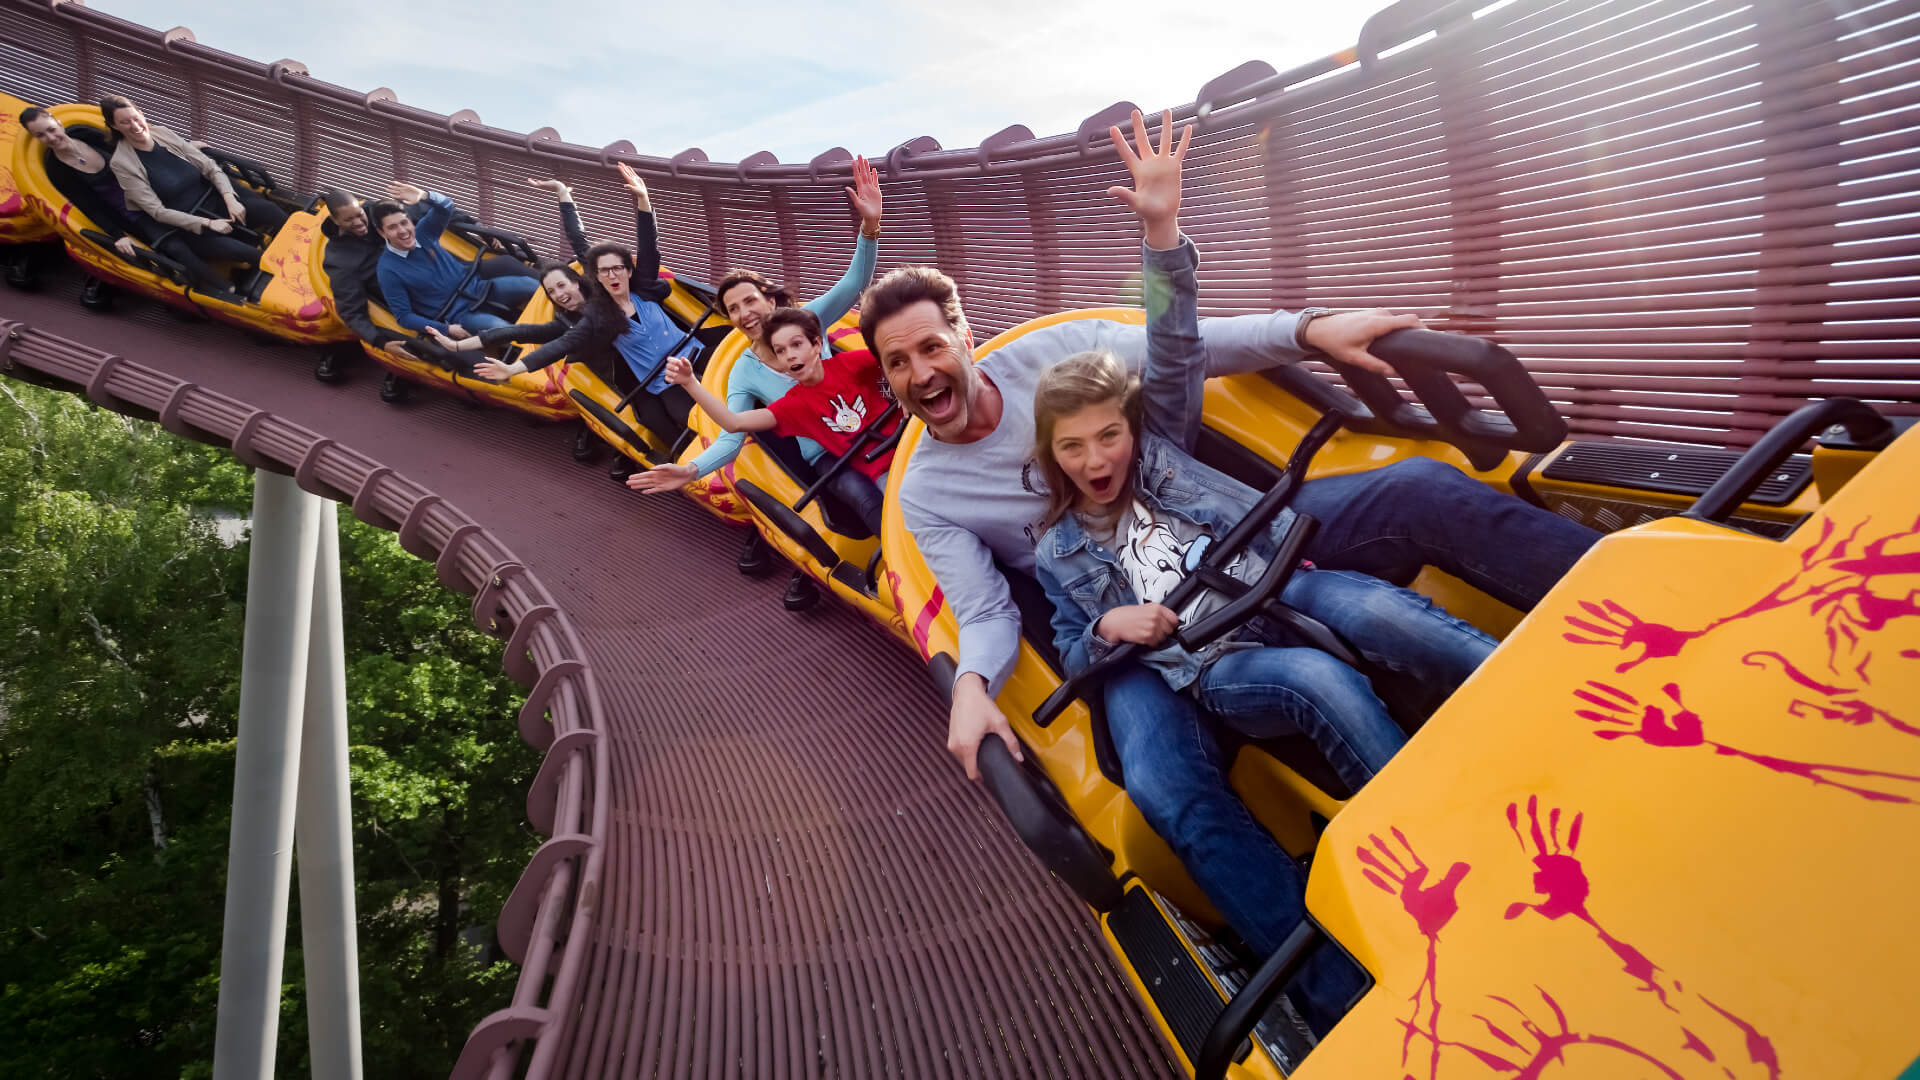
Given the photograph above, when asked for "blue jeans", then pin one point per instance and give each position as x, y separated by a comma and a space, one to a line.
1421, 512
1262, 693
1175, 775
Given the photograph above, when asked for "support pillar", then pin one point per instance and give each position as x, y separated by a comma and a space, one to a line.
323, 830
273, 691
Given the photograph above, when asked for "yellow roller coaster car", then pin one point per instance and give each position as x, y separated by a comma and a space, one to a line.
281, 299
1775, 678
770, 478
19, 222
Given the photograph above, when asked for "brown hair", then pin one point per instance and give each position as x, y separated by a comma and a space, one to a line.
903, 288
777, 293
1079, 381
807, 321
110, 105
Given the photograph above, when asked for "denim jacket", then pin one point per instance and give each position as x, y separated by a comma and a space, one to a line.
1081, 577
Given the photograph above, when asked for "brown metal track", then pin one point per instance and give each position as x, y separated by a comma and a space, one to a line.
763, 863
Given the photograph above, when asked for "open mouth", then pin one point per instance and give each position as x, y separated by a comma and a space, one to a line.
795, 369
1102, 486
937, 404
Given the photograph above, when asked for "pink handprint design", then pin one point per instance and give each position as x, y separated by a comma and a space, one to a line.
1562, 883
1837, 583
1432, 906
1684, 728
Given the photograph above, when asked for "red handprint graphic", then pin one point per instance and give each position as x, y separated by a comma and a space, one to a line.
1432, 907
1684, 728
1562, 881
1838, 586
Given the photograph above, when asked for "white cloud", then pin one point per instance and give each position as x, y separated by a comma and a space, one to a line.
768, 75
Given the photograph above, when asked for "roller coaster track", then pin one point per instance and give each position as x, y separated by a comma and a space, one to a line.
1687, 216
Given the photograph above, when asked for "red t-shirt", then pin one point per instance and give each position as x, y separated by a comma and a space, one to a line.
835, 410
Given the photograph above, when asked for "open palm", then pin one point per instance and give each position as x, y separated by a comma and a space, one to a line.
865, 192
1155, 194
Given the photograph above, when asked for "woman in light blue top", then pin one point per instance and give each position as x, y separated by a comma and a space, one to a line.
748, 298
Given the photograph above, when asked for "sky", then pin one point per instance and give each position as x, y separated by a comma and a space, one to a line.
792, 77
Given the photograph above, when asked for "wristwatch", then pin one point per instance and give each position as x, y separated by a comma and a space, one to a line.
1303, 318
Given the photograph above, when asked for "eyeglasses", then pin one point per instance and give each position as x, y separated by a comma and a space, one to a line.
607, 271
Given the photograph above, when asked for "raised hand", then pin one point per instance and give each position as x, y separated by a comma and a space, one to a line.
865, 194
1155, 194
635, 185
556, 188
663, 478
404, 192
1142, 624
679, 370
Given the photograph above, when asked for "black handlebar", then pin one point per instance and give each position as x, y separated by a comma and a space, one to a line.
1238, 1019
1423, 359
243, 168
1868, 429
483, 236
145, 258
675, 351
1248, 604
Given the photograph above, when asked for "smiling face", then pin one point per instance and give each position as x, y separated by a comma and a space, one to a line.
49, 133
129, 121
929, 366
612, 272
796, 355
747, 308
351, 219
1094, 447
397, 229
562, 291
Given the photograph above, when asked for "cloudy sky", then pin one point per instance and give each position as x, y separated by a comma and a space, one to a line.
792, 77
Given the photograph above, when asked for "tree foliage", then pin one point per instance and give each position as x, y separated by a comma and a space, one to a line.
121, 616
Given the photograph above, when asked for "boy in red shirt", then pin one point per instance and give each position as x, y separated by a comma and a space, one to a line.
833, 400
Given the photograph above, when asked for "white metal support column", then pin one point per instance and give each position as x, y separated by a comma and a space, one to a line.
291, 756
323, 831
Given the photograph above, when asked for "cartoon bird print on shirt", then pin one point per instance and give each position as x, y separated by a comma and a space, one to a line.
846, 418
1153, 558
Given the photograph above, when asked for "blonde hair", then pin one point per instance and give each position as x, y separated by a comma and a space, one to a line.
1078, 382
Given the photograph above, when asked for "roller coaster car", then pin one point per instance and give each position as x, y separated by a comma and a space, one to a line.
788, 500
1070, 806
19, 223
279, 299
607, 409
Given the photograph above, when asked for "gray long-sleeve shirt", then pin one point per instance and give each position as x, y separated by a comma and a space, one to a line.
969, 503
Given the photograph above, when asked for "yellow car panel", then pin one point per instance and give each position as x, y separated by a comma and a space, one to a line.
19, 222
1666, 830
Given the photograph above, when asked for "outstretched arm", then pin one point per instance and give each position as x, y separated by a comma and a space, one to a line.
646, 240
680, 373
865, 197
1175, 375
569, 218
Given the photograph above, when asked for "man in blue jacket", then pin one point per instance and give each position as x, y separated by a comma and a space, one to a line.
423, 284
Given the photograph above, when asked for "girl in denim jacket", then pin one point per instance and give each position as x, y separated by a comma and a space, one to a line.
1127, 505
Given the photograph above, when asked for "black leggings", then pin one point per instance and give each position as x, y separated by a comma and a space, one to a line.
861, 495
664, 414
196, 250
263, 214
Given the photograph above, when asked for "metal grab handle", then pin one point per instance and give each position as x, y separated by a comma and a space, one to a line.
1243, 1013
1241, 608
1867, 427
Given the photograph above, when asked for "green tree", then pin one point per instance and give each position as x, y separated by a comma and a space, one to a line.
121, 612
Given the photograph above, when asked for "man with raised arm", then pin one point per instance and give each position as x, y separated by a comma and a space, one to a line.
971, 498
